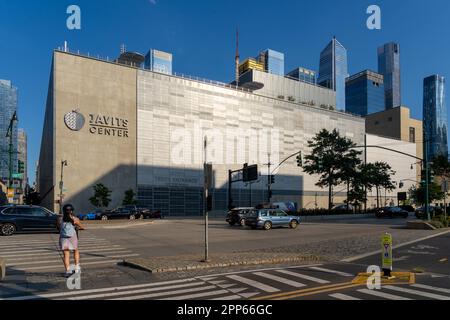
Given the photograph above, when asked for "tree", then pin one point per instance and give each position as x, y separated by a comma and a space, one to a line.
441, 167
418, 193
3, 198
129, 198
333, 158
32, 197
378, 175
101, 198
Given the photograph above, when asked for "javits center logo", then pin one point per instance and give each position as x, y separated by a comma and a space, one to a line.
74, 120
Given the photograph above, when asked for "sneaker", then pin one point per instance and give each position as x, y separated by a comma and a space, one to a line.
68, 274
77, 269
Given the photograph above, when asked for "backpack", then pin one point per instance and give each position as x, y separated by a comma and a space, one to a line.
67, 230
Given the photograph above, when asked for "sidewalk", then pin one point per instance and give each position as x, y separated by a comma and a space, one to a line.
193, 262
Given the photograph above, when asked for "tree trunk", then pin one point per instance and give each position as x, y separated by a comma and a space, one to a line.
348, 192
378, 198
330, 195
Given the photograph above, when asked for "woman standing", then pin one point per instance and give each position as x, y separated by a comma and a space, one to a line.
68, 238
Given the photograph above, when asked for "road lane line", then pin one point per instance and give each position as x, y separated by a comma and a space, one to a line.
235, 297
344, 274
291, 283
56, 254
423, 286
302, 276
89, 291
131, 293
252, 283
163, 294
314, 292
329, 287
341, 296
418, 293
381, 294
369, 254
198, 295
56, 247
30, 263
256, 270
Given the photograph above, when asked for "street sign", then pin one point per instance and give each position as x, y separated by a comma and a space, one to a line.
10, 193
18, 176
386, 250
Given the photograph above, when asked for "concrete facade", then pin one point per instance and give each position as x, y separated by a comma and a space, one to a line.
93, 103
104, 94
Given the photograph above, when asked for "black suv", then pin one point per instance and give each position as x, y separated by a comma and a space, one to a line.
237, 216
26, 218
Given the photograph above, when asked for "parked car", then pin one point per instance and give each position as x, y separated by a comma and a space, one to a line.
237, 216
119, 213
288, 207
26, 218
343, 208
93, 215
391, 212
269, 218
434, 210
408, 208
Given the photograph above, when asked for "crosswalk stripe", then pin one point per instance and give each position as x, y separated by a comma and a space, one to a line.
235, 297
198, 295
422, 286
381, 294
37, 243
418, 293
57, 252
56, 247
146, 290
253, 283
344, 274
59, 266
89, 291
167, 293
302, 276
341, 296
52, 261
291, 283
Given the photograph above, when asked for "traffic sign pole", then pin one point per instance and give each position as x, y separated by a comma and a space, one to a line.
387, 258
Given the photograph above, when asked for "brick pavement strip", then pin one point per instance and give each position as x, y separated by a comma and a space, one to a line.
192, 262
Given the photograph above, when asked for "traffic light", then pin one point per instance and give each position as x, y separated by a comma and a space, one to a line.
21, 167
300, 160
272, 179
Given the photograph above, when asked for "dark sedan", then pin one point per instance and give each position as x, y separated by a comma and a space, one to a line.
237, 216
26, 219
119, 213
391, 212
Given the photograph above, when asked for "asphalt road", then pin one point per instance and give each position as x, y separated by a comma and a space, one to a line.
34, 264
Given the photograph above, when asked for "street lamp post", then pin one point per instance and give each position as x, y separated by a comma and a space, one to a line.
64, 163
9, 134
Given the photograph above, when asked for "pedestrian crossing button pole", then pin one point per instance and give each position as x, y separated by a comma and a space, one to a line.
387, 259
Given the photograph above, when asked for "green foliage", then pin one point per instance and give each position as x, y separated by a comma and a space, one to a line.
3, 198
101, 198
437, 224
434, 193
129, 198
333, 158
441, 166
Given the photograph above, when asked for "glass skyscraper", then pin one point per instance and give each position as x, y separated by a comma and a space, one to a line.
273, 61
8, 105
364, 93
435, 116
158, 61
389, 67
333, 70
303, 74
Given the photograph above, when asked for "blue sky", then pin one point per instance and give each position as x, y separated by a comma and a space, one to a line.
201, 36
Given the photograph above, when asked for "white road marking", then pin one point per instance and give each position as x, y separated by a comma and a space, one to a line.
59, 266
252, 283
147, 290
89, 291
58, 255
30, 263
55, 247
418, 293
344, 274
381, 294
423, 286
162, 294
362, 256
302, 276
291, 283
198, 295
341, 296
235, 297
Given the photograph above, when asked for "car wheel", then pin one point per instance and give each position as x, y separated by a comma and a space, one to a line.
242, 222
7, 229
293, 224
104, 218
267, 225
132, 217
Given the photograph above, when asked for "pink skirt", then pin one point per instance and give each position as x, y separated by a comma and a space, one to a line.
70, 244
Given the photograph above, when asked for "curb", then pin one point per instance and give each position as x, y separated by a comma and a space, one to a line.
202, 266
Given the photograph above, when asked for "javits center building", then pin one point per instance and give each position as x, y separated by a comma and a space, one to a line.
131, 128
